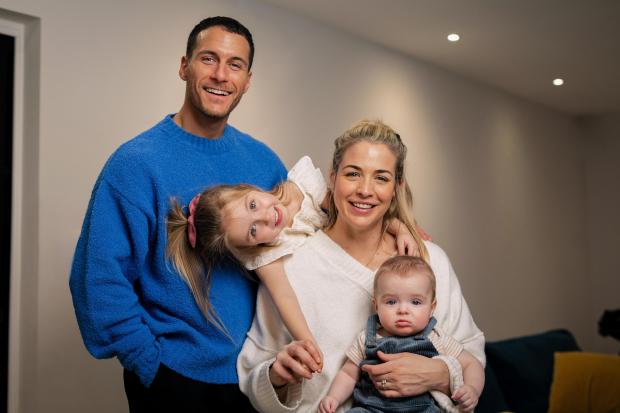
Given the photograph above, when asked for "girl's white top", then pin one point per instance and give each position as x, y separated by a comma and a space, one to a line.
309, 219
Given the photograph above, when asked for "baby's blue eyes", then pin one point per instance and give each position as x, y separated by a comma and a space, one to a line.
393, 302
253, 230
252, 204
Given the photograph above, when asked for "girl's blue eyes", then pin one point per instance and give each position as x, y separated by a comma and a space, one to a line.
252, 206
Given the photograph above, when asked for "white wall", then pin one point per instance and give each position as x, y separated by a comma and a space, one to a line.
499, 181
602, 135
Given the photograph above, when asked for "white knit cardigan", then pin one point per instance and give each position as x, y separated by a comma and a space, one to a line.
335, 291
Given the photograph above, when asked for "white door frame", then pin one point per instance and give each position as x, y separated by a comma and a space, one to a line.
16, 30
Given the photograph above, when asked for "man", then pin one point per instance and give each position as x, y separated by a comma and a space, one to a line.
129, 301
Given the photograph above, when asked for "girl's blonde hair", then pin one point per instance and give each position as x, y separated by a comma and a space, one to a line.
195, 264
377, 132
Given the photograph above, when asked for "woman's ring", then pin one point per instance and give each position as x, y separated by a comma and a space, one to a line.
383, 383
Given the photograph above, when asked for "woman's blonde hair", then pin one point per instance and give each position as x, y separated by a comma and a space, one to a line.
401, 208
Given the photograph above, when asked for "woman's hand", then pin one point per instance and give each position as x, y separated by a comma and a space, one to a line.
294, 362
406, 374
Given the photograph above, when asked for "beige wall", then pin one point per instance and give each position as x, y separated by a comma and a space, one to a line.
602, 135
499, 181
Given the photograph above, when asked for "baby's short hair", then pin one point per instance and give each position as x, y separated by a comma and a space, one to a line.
404, 265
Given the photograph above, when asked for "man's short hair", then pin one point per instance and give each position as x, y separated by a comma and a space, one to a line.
229, 24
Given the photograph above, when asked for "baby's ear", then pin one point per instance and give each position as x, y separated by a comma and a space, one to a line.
374, 304
433, 306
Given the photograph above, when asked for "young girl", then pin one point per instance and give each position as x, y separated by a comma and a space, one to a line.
404, 299
259, 228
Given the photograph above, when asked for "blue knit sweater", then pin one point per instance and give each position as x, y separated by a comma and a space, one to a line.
129, 301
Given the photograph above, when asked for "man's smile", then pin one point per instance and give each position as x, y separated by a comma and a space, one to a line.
218, 92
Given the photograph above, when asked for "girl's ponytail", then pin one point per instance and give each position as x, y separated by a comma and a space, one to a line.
194, 269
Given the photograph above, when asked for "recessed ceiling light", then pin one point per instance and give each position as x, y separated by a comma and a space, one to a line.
558, 82
453, 37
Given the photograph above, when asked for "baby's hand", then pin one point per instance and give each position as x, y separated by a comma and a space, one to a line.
328, 405
467, 398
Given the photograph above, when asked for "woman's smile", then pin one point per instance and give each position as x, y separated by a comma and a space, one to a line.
362, 207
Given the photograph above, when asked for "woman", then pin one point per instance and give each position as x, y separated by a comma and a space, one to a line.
332, 276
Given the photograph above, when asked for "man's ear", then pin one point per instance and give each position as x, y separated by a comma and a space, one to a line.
247, 84
183, 68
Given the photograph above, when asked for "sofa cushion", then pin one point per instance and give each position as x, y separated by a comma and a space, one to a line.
491, 400
585, 382
524, 367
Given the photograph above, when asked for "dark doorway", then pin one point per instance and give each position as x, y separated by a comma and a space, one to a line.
7, 56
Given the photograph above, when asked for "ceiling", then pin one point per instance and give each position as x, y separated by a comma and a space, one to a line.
519, 46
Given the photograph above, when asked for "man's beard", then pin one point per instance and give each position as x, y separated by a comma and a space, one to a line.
217, 116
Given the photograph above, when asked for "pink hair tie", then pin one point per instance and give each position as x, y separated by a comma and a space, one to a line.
191, 227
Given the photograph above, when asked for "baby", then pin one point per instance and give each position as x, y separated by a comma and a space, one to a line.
259, 228
404, 299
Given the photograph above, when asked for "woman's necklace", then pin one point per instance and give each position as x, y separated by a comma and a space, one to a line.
378, 249
356, 251
367, 264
